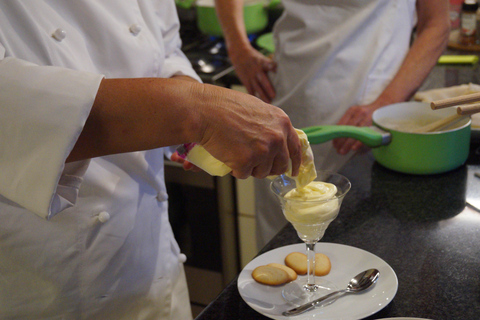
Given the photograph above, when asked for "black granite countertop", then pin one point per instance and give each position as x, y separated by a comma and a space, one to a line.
420, 225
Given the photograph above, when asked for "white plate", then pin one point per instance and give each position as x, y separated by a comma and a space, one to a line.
346, 263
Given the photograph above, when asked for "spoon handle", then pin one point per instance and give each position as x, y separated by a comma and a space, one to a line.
310, 305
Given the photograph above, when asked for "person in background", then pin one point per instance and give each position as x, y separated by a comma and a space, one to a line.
91, 95
335, 62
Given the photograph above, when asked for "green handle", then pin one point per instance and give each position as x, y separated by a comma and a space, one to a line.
458, 59
185, 4
370, 136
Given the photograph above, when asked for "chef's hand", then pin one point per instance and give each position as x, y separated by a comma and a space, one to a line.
359, 116
252, 68
251, 137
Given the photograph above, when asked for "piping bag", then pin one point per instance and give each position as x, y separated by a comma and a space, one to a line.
200, 157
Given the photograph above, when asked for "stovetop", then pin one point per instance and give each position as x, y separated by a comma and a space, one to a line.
208, 56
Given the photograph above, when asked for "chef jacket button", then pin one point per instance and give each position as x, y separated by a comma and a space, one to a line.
59, 34
161, 196
182, 258
135, 29
103, 216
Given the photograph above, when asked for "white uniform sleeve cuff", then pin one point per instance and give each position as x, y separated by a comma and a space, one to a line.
176, 65
43, 112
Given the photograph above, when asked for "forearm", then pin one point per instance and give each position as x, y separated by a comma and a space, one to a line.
185, 78
248, 135
230, 14
138, 114
251, 66
431, 40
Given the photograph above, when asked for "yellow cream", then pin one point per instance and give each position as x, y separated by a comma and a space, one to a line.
307, 171
315, 190
312, 205
311, 209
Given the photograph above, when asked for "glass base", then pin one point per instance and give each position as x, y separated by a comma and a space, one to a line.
298, 293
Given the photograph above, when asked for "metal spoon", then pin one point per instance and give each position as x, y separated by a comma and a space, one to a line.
360, 282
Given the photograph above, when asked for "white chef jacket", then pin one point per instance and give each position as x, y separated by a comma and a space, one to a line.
331, 55
89, 239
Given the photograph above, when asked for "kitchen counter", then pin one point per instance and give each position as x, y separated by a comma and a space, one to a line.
420, 225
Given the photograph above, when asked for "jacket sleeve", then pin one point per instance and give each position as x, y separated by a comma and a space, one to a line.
43, 110
176, 63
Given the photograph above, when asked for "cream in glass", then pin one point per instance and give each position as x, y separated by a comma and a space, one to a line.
310, 202
311, 209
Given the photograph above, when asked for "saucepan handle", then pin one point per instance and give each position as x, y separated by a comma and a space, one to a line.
370, 136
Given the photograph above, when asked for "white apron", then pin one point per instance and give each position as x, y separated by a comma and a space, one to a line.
90, 239
331, 55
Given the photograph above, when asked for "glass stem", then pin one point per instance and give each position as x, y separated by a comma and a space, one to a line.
310, 286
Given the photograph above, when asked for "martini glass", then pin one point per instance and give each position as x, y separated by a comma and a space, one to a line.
310, 218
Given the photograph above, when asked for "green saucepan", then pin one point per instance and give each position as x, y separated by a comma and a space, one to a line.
395, 148
255, 15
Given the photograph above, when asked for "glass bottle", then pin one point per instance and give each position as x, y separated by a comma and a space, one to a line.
468, 22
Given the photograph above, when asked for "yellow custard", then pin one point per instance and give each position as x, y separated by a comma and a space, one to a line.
307, 171
311, 209
312, 205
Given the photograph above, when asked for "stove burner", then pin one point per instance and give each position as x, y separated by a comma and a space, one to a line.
203, 66
208, 56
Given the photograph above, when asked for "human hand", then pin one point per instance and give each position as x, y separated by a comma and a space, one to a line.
251, 137
252, 67
355, 116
